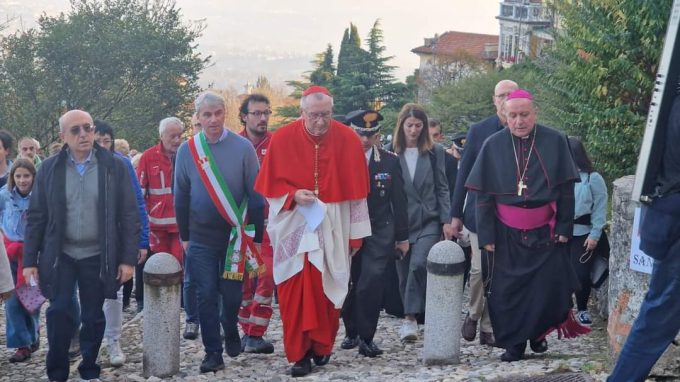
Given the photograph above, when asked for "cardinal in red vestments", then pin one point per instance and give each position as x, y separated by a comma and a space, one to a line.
315, 179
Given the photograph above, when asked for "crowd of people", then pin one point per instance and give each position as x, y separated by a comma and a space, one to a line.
318, 213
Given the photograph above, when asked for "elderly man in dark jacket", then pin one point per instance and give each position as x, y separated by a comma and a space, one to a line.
83, 227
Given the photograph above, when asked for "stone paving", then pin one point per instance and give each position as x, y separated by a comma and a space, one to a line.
400, 362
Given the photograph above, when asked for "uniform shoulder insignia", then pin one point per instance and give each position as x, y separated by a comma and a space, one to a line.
390, 153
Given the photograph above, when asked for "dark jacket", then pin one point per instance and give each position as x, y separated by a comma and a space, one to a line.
428, 196
119, 225
477, 134
387, 202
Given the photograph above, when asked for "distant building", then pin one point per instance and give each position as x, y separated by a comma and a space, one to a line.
452, 56
525, 29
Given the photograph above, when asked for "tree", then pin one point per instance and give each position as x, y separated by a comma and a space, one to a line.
130, 62
602, 71
446, 69
262, 83
324, 73
349, 47
291, 111
366, 79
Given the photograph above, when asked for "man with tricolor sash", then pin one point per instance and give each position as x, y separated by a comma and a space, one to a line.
220, 220
315, 179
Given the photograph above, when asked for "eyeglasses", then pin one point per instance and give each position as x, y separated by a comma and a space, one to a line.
259, 114
324, 115
104, 142
502, 95
75, 130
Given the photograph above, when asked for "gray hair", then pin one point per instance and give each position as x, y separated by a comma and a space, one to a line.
317, 96
165, 122
209, 99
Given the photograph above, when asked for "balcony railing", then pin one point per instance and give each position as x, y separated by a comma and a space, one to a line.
524, 12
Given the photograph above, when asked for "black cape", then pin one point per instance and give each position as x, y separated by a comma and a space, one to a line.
529, 278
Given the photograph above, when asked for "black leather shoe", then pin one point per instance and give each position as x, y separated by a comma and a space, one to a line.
514, 353
510, 356
321, 360
369, 349
301, 368
190, 331
350, 343
212, 362
538, 346
232, 345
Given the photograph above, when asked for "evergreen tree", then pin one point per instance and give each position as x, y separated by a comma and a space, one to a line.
364, 78
380, 82
343, 53
324, 73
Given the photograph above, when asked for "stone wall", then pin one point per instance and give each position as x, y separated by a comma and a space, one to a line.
627, 288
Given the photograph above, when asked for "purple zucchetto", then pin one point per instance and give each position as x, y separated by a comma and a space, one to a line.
520, 93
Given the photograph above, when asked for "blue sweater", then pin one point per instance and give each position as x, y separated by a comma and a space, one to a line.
141, 204
197, 217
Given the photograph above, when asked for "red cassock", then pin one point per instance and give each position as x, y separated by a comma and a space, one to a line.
310, 319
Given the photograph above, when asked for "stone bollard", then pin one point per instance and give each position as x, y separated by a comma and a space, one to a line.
162, 290
627, 288
444, 304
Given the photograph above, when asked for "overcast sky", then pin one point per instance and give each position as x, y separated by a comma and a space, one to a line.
279, 37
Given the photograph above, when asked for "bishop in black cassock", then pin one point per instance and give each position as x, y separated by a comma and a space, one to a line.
524, 176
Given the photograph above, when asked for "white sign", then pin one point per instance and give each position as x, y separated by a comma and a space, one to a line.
638, 260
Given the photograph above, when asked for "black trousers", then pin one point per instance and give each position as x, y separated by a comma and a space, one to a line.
582, 265
61, 323
364, 301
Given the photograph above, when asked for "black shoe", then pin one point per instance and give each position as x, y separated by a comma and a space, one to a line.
321, 360
510, 356
212, 362
233, 346
190, 331
258, 345
350, 343
369, 349
539, 346
301, 368
35, 346
514, 353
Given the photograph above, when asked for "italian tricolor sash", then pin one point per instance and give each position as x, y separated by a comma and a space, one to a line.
241, 253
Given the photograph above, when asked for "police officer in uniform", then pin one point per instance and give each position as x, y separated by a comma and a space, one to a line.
387, 207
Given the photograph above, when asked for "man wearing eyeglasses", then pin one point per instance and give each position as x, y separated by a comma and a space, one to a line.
256, 303
315, 179
477, 134
83, 227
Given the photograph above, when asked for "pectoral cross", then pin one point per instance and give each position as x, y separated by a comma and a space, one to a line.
520, 187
